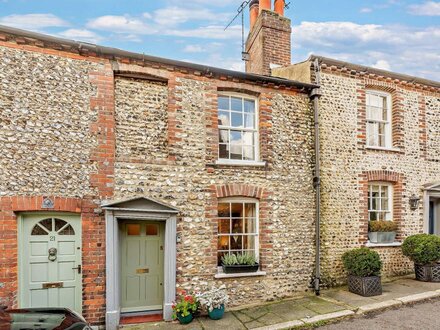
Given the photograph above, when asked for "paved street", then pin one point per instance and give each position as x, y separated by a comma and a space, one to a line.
419, 316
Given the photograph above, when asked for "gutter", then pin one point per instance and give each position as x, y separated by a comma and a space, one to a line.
117, 54
314, 97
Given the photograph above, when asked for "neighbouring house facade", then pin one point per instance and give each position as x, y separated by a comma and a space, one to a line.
125, 177
380, 151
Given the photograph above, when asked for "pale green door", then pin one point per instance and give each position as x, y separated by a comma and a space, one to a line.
50, 256
142, 266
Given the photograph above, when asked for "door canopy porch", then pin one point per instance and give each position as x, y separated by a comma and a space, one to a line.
142, 209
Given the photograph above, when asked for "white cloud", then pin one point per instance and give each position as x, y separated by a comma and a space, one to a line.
365, 10
81, 35
121, 24
139, 26
405, 49
171, 16
429, 8
33, 21
193, 49
382, 64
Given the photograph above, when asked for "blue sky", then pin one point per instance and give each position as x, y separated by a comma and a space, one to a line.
402, 36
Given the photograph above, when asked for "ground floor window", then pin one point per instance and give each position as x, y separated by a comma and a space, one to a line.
380, 201
237, 227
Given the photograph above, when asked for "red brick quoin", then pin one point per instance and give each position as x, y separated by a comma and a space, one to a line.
397, 180
241, 190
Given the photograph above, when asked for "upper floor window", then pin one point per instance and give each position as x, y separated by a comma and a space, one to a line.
378, 119
238, 132
380, 201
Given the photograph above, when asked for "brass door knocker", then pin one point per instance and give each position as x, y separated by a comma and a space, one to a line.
52, 254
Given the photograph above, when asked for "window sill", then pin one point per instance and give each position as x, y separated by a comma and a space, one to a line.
382, 149
220, 274
373, 245
240, 162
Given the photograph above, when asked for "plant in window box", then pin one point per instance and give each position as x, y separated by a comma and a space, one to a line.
363, 267
214, 301
382, 231
239, 263
184, 307
424, 250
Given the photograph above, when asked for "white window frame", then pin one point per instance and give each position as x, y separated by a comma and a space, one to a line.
390, 199
228, 161
388, 122
256, 235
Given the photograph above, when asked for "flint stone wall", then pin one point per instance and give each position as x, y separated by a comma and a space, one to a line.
45, 120
343, 160
185, 182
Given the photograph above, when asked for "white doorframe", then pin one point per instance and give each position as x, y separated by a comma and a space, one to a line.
427, 194
113, 249
20, 264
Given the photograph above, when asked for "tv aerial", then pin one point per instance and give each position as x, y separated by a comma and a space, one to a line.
240, 12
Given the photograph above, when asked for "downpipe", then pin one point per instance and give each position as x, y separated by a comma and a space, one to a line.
314, 97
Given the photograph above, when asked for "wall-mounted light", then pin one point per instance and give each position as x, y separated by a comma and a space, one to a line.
414, 202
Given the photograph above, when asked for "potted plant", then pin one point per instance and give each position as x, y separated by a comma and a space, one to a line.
184, 307
363, 267
239, 263
382, 231
214, 301
424, 251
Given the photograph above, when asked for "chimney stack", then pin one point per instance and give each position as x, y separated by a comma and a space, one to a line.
254, 9
279, 7
269, 40
265, 4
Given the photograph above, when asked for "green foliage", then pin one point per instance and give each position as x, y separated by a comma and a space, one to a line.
423, 249
185, 304
229, 260
239, 259
362, 262
382, 226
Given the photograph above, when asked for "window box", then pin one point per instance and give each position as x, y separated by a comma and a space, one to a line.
382, 237
233, 269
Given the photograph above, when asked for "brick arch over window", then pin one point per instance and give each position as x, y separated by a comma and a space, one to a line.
237, 189
264, 197
397, 180
397, 112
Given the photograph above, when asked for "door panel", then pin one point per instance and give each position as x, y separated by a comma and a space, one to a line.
50, 253
142, 265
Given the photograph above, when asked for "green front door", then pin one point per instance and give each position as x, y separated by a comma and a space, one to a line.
50, 268
142, 265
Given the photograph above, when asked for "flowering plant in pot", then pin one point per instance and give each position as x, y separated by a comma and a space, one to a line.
239, 263
381, 231
363, 267
184, 307
214, 301
424, 250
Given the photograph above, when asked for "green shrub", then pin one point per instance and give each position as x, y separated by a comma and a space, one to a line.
382, 226
362, 262
423, 249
